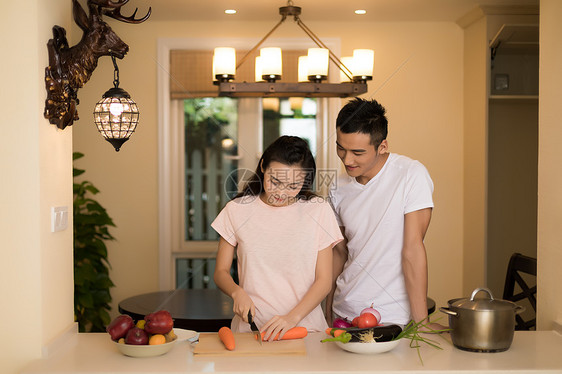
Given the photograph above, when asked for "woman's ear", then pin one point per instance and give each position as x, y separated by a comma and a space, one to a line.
383, 147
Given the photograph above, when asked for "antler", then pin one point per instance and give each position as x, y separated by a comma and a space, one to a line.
108, 3
115, 11
116, 14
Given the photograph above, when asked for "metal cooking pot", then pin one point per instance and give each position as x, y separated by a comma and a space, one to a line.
482, 325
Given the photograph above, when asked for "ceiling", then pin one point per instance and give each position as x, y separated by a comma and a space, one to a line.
315, 10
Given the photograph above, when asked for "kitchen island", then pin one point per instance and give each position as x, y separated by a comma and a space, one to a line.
530, 352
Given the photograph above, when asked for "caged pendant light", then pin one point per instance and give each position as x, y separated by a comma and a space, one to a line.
116, 115
312, 69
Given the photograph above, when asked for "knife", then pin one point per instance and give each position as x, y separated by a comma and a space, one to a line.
253, 327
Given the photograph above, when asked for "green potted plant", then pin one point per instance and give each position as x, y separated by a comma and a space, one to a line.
91, 266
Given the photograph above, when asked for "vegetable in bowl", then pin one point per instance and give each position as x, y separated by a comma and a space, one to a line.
380, 333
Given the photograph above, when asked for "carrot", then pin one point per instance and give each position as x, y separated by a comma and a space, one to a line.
298, 332
334, 332
227, 338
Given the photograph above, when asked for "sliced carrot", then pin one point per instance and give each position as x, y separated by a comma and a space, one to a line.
227, 338
298, 332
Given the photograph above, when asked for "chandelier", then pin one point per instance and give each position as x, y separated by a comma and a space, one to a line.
312, 69
116, 115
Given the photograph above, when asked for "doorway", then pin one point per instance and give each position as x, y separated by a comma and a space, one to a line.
512, 150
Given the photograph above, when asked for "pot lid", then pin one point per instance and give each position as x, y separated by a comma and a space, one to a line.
483, 304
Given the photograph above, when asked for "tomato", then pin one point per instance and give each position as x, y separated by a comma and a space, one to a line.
374, 312
354, 322
366, 320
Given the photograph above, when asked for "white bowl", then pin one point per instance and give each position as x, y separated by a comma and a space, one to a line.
145, 350
368, 348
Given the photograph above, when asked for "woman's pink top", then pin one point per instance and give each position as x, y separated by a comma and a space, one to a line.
277, 248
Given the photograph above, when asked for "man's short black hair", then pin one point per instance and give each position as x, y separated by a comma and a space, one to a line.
365, 117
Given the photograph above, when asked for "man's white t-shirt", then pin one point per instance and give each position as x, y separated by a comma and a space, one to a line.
373, 217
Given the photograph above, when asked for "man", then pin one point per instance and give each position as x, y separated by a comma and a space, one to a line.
383, 206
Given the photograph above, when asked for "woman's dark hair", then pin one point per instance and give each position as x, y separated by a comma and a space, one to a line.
365, 117
288, 150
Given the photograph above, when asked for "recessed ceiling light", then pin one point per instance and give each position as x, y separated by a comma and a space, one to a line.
360, 11
230, 11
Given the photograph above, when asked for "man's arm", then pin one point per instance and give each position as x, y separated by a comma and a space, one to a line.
414, 261
339, 259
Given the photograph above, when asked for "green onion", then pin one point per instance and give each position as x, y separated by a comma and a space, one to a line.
411, 331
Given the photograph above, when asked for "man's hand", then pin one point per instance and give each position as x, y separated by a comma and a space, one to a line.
414, 261
339, 258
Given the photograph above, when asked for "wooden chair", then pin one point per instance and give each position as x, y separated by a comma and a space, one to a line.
520, 264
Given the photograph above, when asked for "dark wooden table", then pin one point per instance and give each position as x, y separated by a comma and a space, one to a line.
430, 305
199, 310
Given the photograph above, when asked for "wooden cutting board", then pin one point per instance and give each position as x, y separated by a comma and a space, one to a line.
247, 345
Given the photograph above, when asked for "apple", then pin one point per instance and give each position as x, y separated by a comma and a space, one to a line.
119, 327
136, 336
160, 322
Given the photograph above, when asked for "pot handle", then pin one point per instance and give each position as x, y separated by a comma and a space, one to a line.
448, 311
481, 289
519, 309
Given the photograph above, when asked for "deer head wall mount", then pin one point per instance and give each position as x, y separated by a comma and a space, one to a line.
71, 67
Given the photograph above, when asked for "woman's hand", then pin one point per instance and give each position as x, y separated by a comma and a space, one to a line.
278, 325
242, 304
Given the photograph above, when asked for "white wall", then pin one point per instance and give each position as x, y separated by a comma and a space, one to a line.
474, 155
35, 160
418, 77
549, 251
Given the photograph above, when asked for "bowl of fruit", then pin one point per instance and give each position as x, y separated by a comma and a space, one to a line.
364, 334
152, 336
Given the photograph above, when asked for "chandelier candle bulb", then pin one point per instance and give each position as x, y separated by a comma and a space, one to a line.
348, 62
272, 63
224, 63
363, 63
318, 60
303, 69
258, 70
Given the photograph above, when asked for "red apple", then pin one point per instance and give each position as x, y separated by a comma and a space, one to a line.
136, 336
119, 326
160, 322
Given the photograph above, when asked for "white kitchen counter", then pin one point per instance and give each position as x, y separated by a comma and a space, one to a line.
530, 352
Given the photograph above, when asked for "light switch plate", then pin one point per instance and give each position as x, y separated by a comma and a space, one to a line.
59, 218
